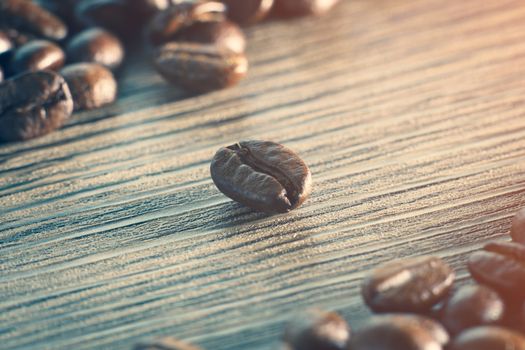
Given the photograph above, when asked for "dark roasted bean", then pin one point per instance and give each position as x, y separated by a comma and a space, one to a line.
96, 45
33, 104
502, 267
200, 68
472, 306
24, 15
113, 15
408, 285
166, 343
223, 34
37, 55
247, 12
317, 330
488, 338
166, 24
263, 175
399, 332
517, 230
293, 8
92, 85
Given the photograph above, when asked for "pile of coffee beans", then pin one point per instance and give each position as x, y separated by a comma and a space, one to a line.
197, 45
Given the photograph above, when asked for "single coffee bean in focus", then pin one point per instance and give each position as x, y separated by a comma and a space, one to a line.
37, 55
294, 8
33, 104
488, 338
246, 12
91, 85
262, 175
200, 68
317, 330
408, 285
96, 45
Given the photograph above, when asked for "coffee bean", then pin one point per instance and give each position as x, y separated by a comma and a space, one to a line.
24, 15
113, 15
6, 45
37, 55
147, 8
166, 343
166, 24
92, 85
317, 330
399, 332
502, 267
488, 338
263, 175
223, 34
33, 104
200, 68
247, 12
408, 285
293, 8
96, 45
472, 306
517, 230
18, 38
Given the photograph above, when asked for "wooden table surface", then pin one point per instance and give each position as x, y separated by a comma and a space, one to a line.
410, 113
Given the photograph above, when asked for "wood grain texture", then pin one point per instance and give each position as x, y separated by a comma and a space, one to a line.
410, 113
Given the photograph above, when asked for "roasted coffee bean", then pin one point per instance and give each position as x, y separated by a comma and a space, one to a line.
33, 104
91, 85
37, 55
200, 68
166, 343
223, 34
6, 45
147, 8
399, 332
488, 338
502, 267
293, 8
96, 45
408, 285
166, 24
247, 12
113, 15
517, 230
263, 175
317, 330
26, 16
472, 306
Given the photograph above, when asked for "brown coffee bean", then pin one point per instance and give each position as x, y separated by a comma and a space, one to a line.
399, 332
96, 45
517, 230
408, 285
200, 68
488, 338
114, 15
33, 104
317, 330
246, 12
27, 16
502, 267
223, 34
37, 55
166, 343
92, 85
293, 8
262, 175
472, 306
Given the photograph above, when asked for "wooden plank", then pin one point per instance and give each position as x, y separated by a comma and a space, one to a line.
410, 114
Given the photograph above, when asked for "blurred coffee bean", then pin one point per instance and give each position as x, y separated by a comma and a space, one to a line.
246, 12
166, 343
502, 267
147, 8
64, 9
294, 8
262, 175
37, 55
166, 24
33, 104
223, 34
18, 38
517, 230
113, 15
6, 44
408, 285
96, 45
472, 306
27, 16
317, 330
200, 68
91, 85
488, 338
399, 332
